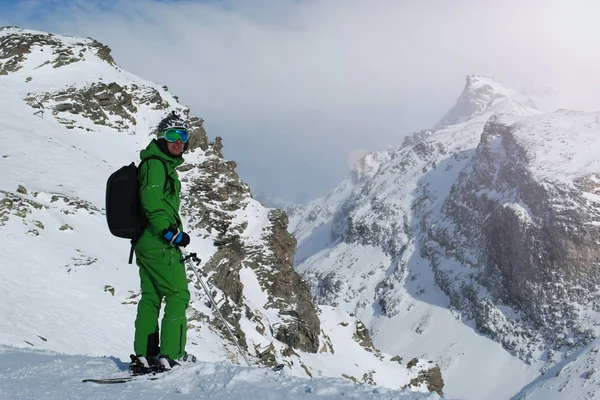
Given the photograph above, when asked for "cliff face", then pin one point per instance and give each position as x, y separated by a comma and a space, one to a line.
523, 217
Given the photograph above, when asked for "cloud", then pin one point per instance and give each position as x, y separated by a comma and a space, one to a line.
294, 86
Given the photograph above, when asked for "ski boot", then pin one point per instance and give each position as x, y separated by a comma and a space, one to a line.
167, 363
141, 365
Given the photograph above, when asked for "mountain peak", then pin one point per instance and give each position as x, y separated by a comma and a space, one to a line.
483, 95
17, 45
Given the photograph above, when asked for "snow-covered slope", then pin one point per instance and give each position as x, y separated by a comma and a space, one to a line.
29, 374
69, 117
414, 250
576, 377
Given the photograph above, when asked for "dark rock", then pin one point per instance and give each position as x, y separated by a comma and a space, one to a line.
432, 378
412, 363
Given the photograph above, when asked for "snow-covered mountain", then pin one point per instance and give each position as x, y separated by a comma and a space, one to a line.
69, 117
476, 237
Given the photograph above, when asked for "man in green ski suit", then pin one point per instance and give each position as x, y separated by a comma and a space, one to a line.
161, 268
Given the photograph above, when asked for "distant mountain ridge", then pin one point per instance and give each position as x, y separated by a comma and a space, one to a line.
490, 216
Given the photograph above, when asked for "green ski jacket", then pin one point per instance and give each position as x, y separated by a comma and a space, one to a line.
159, 201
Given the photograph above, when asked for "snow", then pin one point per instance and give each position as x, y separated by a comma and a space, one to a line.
521, 211
257, 217
30, 374
423, 327
473, 366
357, 282
577, 377
564, 142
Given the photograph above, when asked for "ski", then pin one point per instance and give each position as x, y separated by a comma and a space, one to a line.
150, 376
123, 379
110, 380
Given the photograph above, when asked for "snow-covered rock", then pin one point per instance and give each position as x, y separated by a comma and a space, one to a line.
482, 95
522, 221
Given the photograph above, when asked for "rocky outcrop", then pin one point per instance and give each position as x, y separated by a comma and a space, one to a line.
288, 292
198, 137
416, 138
104, 104
362, 336
216, 195
432, 378
15, 44
111, 105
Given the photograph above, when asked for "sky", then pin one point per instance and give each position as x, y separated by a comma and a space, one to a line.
297, 88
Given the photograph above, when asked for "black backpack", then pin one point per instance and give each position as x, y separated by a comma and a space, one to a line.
124, 213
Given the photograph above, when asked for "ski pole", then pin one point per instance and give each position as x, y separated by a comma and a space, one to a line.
192, 256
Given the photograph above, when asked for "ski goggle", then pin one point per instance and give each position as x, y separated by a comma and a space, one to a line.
174, 134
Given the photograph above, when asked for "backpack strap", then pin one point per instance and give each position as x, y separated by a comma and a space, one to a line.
167, 176
164, 165
134, 241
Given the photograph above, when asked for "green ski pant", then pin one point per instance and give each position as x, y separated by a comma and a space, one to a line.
162, 275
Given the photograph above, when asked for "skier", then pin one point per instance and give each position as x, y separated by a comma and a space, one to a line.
161, 269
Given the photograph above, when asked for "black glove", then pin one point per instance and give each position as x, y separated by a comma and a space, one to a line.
176, 238
183, 239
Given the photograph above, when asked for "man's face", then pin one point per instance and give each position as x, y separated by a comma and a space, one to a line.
175, 148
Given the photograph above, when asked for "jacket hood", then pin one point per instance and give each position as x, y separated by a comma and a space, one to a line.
153, 150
